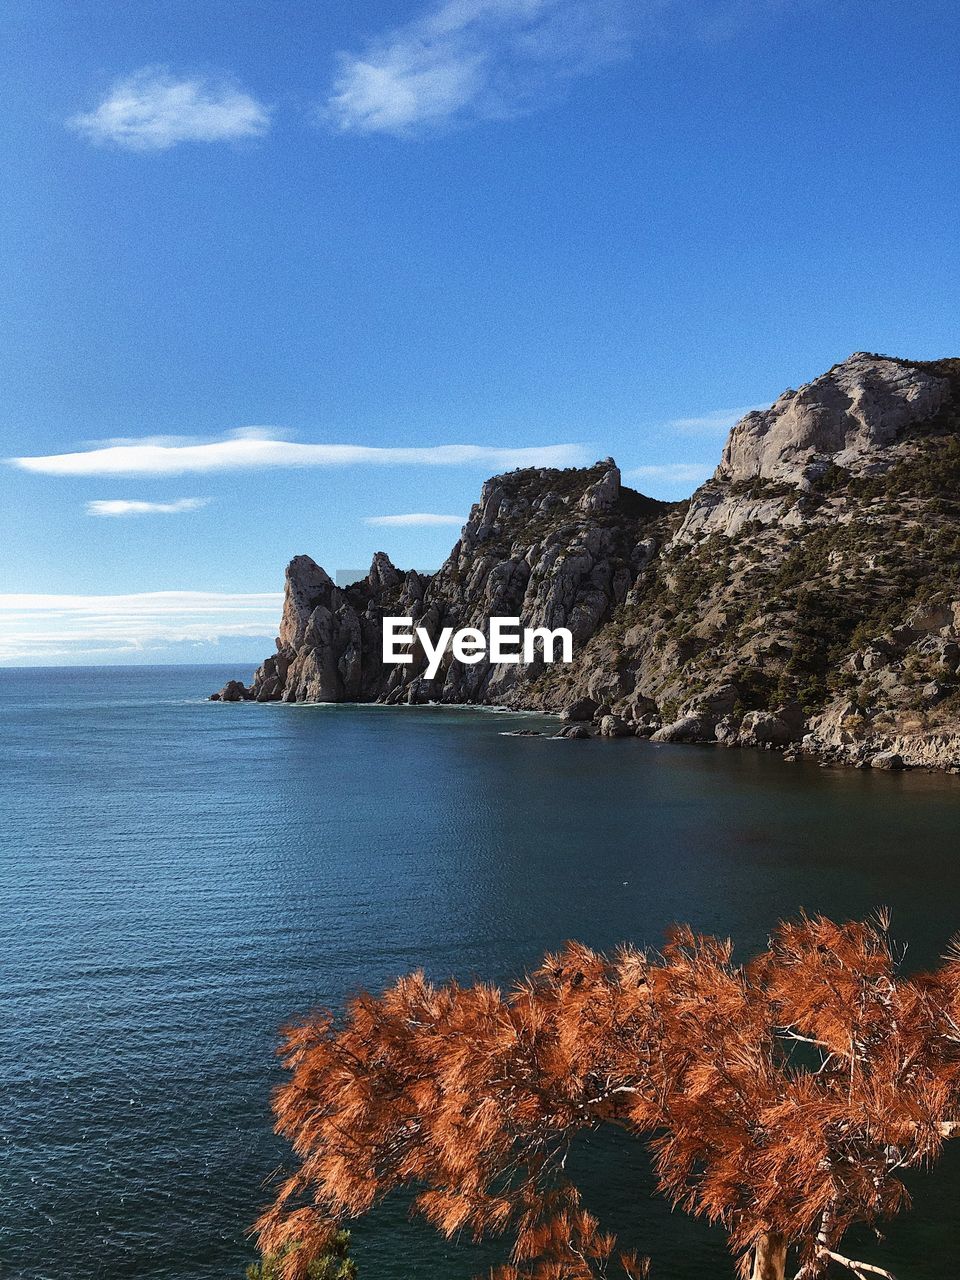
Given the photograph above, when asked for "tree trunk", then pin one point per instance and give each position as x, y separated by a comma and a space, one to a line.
770, 1258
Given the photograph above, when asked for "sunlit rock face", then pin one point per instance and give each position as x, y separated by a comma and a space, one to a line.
845, 416
305, 585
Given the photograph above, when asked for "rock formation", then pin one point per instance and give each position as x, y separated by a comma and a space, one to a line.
554, 548
806, 598
843, 417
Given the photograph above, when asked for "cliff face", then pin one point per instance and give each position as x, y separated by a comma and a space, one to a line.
807, 596
845, 416
554, 548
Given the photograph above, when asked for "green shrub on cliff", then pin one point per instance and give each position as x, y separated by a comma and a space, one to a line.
336, 1264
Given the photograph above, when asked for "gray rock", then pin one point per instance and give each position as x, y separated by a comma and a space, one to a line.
614, 727
704, 605
873, 659
305, 587
851, 411
766, 728
887, 760
269, 690
637, 707
726, 730
934, 692
578, 731
602, 495
383, 573
692, 728
718, 702
646, 726
582, 709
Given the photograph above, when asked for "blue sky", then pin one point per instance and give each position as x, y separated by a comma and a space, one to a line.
449, 237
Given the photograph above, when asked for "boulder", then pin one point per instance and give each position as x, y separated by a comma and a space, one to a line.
269, 678
763, 728
887, 760
691, 728
575, 731
772, 728
933, 692
726, 730
718, 702
637, 707
646, 726
614, 727
873, 659
233, 691
582, 709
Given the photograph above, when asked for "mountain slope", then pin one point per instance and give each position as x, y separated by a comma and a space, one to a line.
810, 591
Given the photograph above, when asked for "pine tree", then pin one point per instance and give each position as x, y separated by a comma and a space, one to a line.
782, 1099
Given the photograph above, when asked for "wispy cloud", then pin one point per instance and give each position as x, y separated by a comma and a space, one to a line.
153, 110
423, 518
715, 423
44, 628
134, 507
255, 448
670, 476
465, 59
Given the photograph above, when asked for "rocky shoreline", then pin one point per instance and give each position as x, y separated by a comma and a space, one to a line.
806, 599
763, 731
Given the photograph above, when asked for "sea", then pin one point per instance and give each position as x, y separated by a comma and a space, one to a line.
179, 878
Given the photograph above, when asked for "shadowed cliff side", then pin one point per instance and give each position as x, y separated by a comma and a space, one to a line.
807, 596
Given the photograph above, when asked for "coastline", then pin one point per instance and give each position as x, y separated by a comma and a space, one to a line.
931, 753
802, 600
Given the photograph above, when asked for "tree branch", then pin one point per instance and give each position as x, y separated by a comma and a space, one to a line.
861, 1269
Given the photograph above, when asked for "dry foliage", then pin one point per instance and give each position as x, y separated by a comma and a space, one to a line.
781, 1100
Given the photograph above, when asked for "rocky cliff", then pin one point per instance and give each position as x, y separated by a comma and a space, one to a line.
554, 548
807, 597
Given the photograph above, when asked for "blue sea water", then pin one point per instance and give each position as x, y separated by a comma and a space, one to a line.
179, 877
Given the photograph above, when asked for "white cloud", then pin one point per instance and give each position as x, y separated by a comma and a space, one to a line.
671, 475
42, 628
422, 518
715, 423
477, 58
254, 448
153, 110
134, 507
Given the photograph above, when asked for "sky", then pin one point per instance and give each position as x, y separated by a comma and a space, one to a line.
297, 278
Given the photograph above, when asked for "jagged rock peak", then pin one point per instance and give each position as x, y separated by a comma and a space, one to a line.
603, 493
857, 407
383, 573
305, 585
